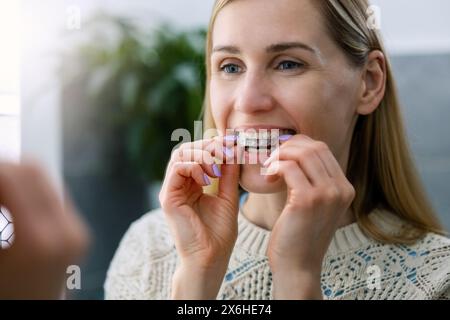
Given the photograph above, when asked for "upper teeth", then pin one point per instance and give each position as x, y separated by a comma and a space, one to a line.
261, 138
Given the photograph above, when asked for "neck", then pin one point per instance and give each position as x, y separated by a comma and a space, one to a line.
263, 210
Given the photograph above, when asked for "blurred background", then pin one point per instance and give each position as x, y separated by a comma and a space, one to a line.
93, 89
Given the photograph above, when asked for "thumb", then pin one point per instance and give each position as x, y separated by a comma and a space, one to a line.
229, 182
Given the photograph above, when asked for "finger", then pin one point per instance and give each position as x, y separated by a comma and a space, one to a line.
182, 171
203, 144
202, 157
229, 183
290, 171
327, 157
198, 144
222, 149
332, 165
307, 159
218, 147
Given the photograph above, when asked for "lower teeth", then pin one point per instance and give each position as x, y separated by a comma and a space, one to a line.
247, 148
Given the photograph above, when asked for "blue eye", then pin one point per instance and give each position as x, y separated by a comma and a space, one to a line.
230, 68
287, 65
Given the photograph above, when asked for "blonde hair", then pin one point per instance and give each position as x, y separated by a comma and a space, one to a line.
380, 165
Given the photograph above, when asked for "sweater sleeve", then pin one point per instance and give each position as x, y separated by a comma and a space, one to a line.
443, 293
144, 262
444, 278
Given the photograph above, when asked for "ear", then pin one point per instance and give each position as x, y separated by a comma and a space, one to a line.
373, 83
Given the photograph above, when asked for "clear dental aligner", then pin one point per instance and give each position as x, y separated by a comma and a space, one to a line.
262, 139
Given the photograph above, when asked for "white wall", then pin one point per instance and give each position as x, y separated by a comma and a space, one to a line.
408, 26
43, 25
415, 26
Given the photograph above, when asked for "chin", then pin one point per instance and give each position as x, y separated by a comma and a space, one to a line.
252, 180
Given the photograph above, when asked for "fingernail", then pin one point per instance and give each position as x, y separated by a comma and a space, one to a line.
271, 158
227, 151
216, 170
207, 181
285, 137
230, 138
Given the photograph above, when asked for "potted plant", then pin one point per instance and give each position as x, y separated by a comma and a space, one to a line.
144, 84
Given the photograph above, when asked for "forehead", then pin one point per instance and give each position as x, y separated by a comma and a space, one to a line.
256, 23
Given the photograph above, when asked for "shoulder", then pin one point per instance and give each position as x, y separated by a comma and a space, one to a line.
434, 250
434, 270
434, 242
143, 250
427, 264
423, 267
152, 232
149, 236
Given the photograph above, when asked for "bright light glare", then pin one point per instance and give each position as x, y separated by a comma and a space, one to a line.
9, 46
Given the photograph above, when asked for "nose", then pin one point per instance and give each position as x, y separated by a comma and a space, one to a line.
254, 94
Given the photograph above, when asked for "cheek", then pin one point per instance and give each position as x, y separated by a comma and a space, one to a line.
322, 108
335, 115
221, 103
304, 100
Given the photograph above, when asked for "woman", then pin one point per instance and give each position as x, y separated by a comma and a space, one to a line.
336, 211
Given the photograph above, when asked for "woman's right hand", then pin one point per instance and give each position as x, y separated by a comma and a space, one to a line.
204, 226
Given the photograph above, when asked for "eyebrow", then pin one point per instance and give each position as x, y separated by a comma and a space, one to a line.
274, 48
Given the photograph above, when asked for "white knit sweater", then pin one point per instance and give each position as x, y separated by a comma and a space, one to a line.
355, 267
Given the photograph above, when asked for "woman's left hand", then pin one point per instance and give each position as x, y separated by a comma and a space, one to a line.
318, 196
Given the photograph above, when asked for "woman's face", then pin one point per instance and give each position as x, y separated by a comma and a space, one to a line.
274, 65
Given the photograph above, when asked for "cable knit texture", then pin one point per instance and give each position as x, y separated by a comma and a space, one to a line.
355, 266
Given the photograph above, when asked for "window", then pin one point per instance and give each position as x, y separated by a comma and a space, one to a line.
9, 79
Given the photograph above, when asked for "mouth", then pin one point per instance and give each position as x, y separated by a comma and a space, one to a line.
262, 139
